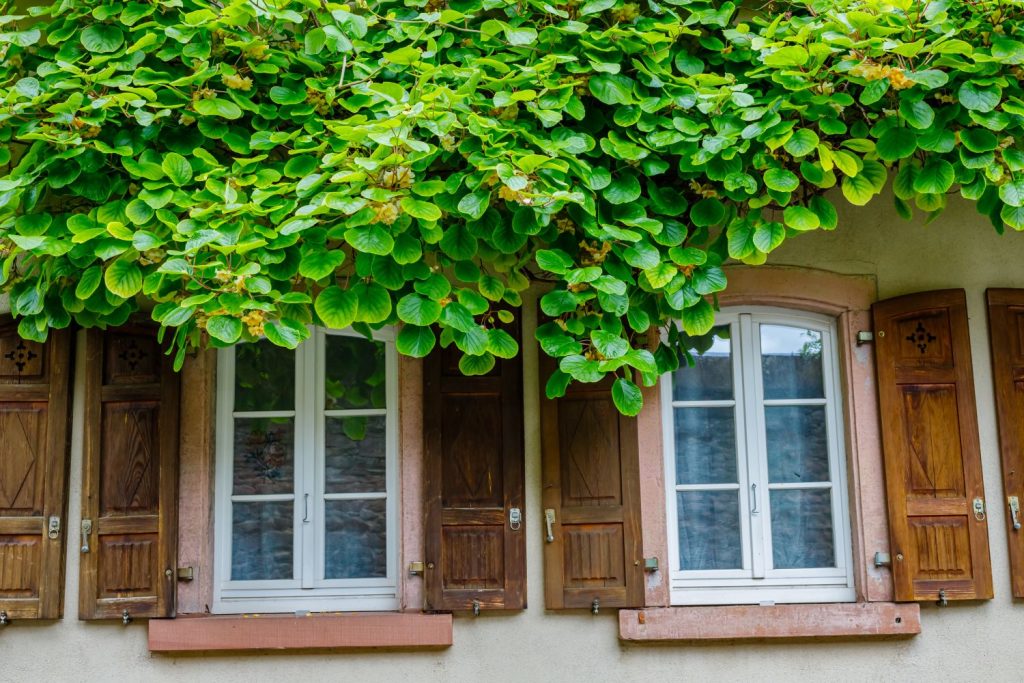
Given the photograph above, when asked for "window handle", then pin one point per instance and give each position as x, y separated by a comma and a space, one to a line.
753, 496
305, 510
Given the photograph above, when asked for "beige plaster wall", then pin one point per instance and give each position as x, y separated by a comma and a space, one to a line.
961, 642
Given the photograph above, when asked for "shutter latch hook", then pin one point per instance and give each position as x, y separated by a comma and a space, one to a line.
476, 608
595, 606
942, 601
3, 618
126, 618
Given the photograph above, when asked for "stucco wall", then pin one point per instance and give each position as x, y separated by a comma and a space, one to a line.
961, 642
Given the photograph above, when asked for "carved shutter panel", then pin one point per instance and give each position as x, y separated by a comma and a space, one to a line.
34, 382
473, 456
592, 489
130, 477
931, 448
1006, 334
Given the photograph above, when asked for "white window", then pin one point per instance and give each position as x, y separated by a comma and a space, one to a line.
754, 464
306, 515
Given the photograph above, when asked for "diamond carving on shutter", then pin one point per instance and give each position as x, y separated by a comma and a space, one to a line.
1006, 334
473, 458
931, 448
591, 485
130, 480
34, 414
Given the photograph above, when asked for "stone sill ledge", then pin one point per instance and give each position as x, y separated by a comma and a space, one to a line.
749, 622
236, 633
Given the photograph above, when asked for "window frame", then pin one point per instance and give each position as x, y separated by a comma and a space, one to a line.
739, 586
305, 593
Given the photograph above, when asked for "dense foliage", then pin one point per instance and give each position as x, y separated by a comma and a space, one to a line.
250, 167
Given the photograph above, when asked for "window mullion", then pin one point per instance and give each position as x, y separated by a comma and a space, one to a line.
755, 490
305, 445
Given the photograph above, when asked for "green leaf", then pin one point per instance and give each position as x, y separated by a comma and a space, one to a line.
661, 274
554, 261
557, 302
557, 384
896, 143
769, 236
918, 114
698, 319
612, 88
123, 278
627, 397
177, 168
459, 243
416, 342
781, 180
979, 98
596, 6
224, 328
475, 204
501, 343
802, 142
1012, 192
286, 333
935, 177
609, 345
793, 55
374, 303
371, 239
708, 212
88, 283
800, 218
858, 190
418, 208
337, 307
102, 38
476, 365
418, 310
215, 106
320, 262
283, 95
623, 189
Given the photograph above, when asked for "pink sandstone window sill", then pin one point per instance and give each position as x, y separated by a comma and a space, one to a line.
748, 622
235, 633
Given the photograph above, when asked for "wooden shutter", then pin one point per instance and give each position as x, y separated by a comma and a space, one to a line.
591, 485
34, 382
473, 459
932, 454
130, 477
1006, 334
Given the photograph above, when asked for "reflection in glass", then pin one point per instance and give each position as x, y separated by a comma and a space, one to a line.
791, 362
705, 446
710, 379
797, 443
354, 454
356, 539
261, 541
802, 535
355, 373
264, 455
264, 377
709, 530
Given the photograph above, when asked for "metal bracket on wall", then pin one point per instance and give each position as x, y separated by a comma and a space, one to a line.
883, 559
865, 337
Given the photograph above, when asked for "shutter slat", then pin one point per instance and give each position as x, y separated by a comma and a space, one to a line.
34, 412
1006, 335
931, 447
473, 460
130, 476
591, 484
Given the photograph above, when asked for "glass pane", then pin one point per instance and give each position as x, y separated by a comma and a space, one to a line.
355, 454
356, 539
709, 530
797, 442
264, 455
355, 373
262, 541
705, 446
802, 529
791, 362
264, 377
710, 379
